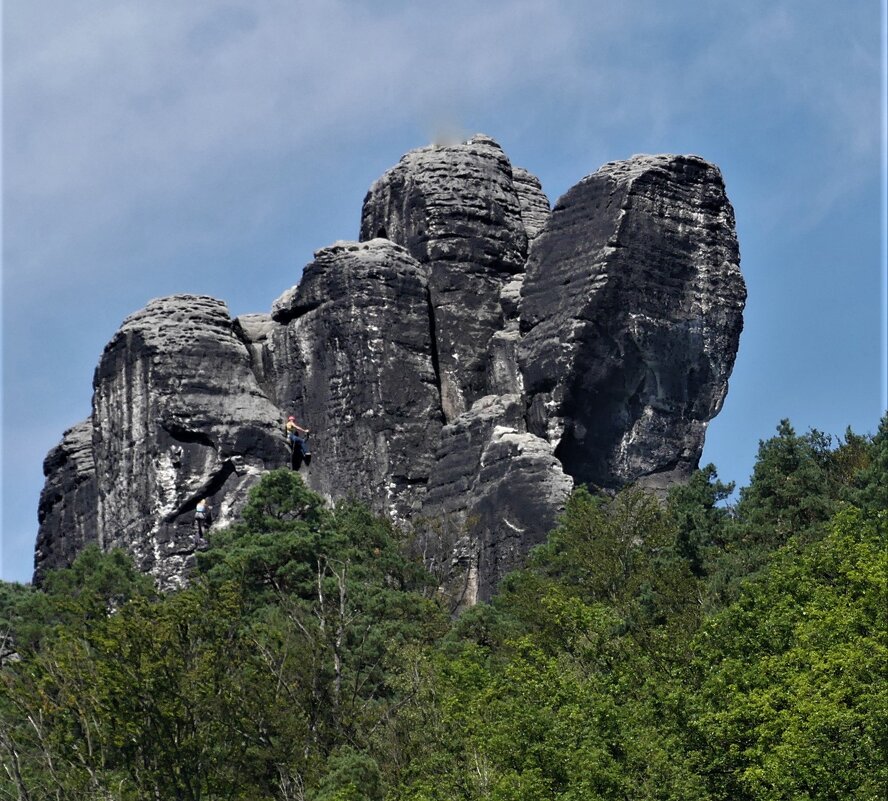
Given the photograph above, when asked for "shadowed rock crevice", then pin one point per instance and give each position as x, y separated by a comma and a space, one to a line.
433, 343
287, 312
184, 435
211, 487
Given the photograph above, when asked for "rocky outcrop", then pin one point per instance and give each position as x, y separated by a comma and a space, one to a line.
533, 201
456, 210
495, 492
177, 416
256, 332
631, 315
461, 367
354, 360
67, 510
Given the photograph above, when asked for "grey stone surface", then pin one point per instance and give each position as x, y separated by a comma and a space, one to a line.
354, 361
495, 491
459, 454
256, 332
534, 203
631, 314
67, 511
460, 368
456, 209
503, 375
520, 490
177, 415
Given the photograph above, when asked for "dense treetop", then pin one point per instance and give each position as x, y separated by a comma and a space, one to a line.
690, 649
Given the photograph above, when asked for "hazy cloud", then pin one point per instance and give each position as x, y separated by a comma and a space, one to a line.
111, 105
156, 146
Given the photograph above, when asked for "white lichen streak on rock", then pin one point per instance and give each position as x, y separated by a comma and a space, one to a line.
166, 479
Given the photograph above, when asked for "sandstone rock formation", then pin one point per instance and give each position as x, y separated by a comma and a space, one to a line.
353, 356
67, 511
631, 314
456, 209
177, 416
495, 491
461, 367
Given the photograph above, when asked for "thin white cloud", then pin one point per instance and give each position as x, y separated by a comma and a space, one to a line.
134, 130
114, 108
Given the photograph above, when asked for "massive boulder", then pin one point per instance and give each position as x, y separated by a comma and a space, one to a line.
456, 209
631, 313
461, 367
177, 416
353, 358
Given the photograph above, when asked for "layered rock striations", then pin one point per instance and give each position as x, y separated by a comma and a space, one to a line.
353, 358
177, 416
456, 209
494, 494
460, 367
67, 510
631, 314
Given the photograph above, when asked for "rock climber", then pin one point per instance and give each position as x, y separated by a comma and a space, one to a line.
202, 517
293, 430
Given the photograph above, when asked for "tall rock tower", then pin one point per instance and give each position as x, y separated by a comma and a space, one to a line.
462, 366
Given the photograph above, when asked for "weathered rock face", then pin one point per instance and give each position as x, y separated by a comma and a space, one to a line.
67, 511
631, 316
534, 203
495, 491
456, 209
177, 415
353, 359
460, 367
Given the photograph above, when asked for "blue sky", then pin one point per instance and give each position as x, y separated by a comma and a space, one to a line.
211, 147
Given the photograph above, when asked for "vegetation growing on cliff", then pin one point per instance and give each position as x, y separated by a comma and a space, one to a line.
647, 651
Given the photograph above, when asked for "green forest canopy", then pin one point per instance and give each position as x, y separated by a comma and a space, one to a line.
686, 650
